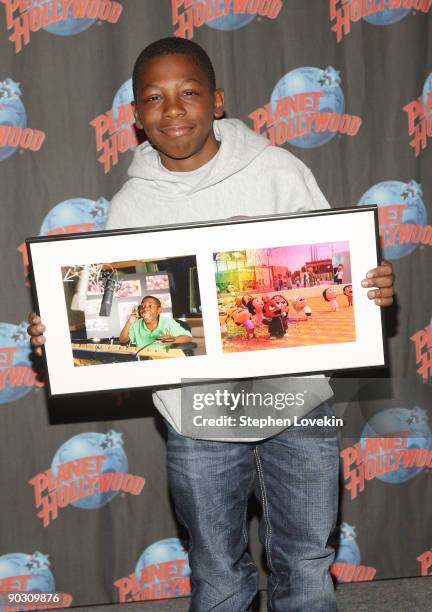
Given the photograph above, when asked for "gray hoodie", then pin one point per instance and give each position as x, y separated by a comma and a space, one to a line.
247, 177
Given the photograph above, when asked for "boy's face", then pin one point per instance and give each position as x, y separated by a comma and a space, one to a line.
149, 310
176, 107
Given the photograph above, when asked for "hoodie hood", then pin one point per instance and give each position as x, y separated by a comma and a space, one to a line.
239, 147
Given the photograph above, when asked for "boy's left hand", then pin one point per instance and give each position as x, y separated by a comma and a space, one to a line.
382, 279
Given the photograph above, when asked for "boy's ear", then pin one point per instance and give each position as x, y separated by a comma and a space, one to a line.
138, 121
219, 103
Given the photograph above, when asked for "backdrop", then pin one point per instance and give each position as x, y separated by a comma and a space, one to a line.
66, 136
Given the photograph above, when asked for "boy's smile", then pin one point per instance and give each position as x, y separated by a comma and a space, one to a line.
175, 107
149, 310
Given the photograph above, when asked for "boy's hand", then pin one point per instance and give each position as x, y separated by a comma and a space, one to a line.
36, 330
166, 338
133, 315
382, 278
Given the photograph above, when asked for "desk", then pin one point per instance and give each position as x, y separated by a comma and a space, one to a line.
92, 353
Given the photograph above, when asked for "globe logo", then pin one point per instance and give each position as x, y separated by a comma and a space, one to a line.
12, 112
75, 215
123, 96
390, 193
162, 551
35, 567
348, 552
312, 80
232, 21
387, 15
397, 420
93, 444
67, 27
15, 352
427, 89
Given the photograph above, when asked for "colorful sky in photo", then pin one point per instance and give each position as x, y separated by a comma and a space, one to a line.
294, 257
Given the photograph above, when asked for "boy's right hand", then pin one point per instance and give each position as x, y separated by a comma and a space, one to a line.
36, 330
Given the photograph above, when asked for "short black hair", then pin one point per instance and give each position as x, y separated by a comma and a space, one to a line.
172, 45
152, 297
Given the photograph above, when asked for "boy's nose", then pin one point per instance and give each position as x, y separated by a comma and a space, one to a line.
174, 108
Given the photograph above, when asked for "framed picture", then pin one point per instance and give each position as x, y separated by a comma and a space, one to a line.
219, 300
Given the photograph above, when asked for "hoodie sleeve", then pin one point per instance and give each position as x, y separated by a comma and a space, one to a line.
317, 196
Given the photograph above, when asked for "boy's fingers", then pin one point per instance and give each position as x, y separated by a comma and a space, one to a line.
382, 297
37, 341
33, 318
384, 269
36, 330
378, 281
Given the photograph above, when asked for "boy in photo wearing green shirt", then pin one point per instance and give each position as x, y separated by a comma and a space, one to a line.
148, 325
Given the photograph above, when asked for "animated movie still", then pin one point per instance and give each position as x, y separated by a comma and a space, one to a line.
285, 296
134, 310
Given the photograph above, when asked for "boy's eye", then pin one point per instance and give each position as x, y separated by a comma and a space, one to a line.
152, 98
190, 92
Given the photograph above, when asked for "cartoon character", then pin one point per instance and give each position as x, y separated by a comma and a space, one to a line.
349, 294
300, 304
339, 274
284, 306
242, 317
255, 307
330, 295
273, 318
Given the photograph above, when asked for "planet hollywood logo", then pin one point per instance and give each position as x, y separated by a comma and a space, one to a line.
61, 17
162, 572
401, 215
114, 130
70, 217
13, 121
423, 352
220, 14
425, 560
17, 377
419, 113
306, 109
23, 573
377, 12
395, 446
347, 567
87, 472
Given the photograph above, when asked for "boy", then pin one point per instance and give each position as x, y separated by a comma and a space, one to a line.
146, 325
195, 169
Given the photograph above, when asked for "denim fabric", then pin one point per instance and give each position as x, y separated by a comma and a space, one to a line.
295, 477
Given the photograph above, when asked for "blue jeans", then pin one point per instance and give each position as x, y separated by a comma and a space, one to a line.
295, 477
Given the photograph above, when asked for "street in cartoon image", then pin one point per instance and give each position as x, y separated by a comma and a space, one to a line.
284, 297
